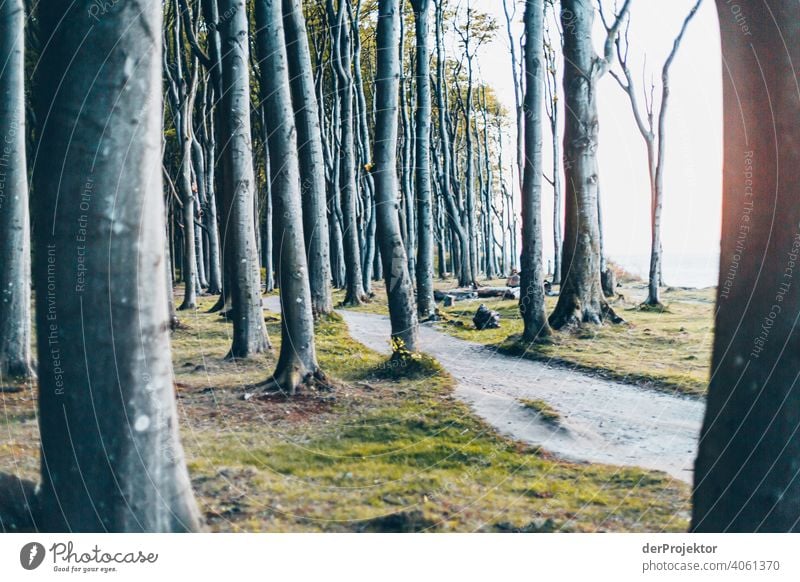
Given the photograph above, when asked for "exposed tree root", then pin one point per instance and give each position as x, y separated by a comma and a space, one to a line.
219, 305
292, 381
355, 301
187, 306
573, 315
18, 371
19, 504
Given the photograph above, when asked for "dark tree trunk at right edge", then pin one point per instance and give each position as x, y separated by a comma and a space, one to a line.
402, 311
531, 300
15, 275
239, 239
426, 306
111, 456
746, 474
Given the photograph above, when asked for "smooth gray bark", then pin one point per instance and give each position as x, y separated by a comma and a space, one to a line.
297, 362
531, 301
654, 135
312, 161
111, 456
426, 306
402, 311
239, 239
552, 105
15, 276
746, 474
348, 192
581, 297
465, 276
364, 155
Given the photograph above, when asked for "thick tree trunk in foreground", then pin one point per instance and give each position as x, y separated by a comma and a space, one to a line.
241, 255
402, 311
111, 456
531, 301
297, 363
312, 161
426, 306
581, 298
15, 276
746, 474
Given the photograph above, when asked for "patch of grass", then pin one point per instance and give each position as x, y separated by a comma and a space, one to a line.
543, 410
665, 349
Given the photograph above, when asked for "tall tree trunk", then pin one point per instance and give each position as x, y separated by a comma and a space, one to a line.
266, 218
297, 362
210, 10
747, 465
311, 159
364, 153
426, 306
210, 213
515, 76
198, 161
531, 300
453, 213
354, 286
402, 311
249, 331
111, 456
552, 110
581, 297
15, 276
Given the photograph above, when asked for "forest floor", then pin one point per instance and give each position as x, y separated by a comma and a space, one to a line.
668, 350
569, 413
391, 449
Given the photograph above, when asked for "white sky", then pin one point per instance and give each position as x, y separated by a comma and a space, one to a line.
692, 205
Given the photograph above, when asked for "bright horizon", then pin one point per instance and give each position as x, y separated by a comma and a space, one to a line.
691, 219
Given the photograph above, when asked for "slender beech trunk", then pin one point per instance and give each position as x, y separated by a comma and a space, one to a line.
531, 301
267, 242
488, 187
552, 115
581, 297
210, 10
406, 178
210, 206
111, 456
311, 159
426, 306
354, 284
402, 311
241, 255
512, 43
198, 161
746, 474
654, 138
297, 362
453, 213
364, 153
15, 276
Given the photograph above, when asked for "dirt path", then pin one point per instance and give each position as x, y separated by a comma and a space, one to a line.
601, 421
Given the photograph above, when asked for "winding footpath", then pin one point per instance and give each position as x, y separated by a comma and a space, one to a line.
601, 421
